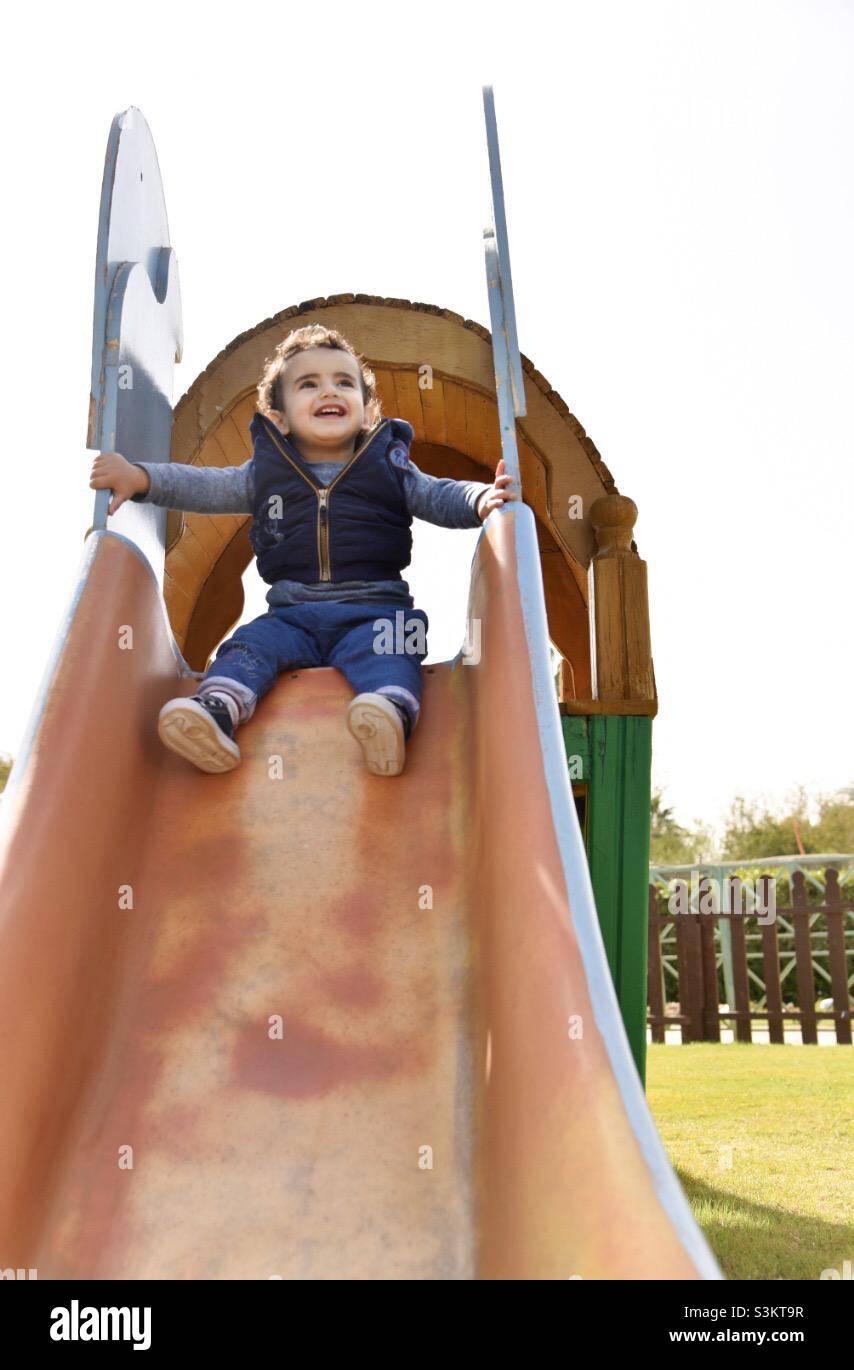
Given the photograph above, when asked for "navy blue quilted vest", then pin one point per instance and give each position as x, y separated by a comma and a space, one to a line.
355, 528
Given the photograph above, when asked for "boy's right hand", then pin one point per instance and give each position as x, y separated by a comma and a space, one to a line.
110, 471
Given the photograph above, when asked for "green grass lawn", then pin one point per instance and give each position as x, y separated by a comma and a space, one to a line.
762, 1139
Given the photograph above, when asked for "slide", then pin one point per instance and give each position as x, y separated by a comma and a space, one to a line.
298, 1021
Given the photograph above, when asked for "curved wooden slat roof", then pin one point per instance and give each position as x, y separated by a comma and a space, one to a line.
455, 420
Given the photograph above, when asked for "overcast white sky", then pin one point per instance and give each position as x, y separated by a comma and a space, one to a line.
681, 220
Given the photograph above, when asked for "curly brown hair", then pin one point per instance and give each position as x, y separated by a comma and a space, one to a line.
270, 394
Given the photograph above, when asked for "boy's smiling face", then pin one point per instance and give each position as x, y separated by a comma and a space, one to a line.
317, 380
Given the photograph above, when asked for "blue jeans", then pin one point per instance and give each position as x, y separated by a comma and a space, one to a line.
385, 659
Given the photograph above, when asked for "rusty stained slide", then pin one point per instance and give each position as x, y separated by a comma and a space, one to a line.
423, 939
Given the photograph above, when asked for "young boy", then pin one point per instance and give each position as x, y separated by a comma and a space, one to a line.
332, 492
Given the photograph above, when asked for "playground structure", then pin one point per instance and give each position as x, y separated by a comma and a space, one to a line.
327, 1025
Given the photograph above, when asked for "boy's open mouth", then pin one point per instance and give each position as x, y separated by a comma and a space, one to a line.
331, 411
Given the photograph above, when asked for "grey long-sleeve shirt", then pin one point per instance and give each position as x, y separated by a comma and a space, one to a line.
231, 490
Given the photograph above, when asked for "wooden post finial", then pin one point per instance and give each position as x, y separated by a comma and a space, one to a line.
619, 609
613, 518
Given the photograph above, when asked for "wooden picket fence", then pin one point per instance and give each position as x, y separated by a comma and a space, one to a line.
698, 954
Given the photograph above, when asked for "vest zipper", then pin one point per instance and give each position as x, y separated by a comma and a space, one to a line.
323, 492
323, 512
323, 535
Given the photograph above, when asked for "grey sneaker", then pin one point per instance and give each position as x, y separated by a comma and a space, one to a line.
376, 724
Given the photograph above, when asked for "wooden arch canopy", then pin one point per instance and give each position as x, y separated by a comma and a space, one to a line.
434, 369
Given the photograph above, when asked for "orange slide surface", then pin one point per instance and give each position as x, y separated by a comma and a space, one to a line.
300, 1021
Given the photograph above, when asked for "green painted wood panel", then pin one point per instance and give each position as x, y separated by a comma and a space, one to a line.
616, 757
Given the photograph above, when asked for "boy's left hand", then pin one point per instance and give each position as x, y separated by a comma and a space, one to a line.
498, 492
